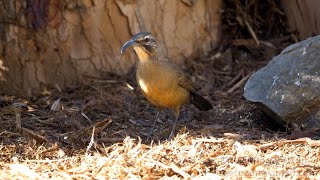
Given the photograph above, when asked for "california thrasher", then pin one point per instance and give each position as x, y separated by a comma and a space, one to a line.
162, 83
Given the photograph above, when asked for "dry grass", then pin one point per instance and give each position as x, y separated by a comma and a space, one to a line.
184, 157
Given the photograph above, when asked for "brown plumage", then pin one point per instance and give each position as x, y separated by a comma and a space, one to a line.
162, 83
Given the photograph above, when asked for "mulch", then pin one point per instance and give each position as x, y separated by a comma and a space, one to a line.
113, 108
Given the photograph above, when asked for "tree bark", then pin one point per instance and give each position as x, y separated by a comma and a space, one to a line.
303, 17
47, 43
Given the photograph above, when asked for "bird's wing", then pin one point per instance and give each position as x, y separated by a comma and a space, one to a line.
185, 81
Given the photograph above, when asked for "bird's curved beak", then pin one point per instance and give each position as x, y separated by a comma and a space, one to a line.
126, 45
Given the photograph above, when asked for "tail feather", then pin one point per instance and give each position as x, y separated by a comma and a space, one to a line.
200, 102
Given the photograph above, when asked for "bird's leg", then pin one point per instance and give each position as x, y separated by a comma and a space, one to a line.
184, 115
153, 126
176, 113
173, 128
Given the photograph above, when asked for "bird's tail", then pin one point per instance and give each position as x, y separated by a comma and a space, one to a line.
200, 102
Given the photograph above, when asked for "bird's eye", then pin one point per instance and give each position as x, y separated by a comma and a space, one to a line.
146, 39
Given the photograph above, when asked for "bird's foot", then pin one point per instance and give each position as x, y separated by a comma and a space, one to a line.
171, 135
149, 136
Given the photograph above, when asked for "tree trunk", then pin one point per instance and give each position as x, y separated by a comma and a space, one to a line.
303, 17
47, 43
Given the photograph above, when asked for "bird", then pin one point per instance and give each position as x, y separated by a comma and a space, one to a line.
161, 81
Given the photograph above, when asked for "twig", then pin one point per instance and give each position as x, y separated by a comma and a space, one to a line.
56, 105
234, 79
221, 72
112, 154
238, 84
253, 34
268, 44
86, 117
308, 166
233, 136
91, 141
308, 141
35, 136
99, 125
8, 133
294, 38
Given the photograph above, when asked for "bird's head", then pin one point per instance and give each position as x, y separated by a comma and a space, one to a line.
143, 44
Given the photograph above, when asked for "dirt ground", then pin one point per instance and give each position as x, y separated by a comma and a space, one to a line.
98, 130
116, 106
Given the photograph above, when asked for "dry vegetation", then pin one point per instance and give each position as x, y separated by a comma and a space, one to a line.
98, 130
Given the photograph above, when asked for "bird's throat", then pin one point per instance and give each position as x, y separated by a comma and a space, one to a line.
142, 53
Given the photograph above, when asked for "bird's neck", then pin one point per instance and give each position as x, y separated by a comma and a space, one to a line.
143, 55
148, 56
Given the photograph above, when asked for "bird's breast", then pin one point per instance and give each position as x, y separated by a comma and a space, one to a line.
160, 86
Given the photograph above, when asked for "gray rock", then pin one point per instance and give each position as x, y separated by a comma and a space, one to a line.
288, 88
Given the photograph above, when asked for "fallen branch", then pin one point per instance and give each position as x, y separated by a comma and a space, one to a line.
308, 141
